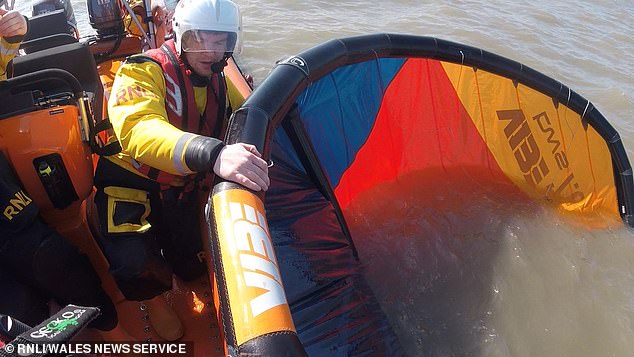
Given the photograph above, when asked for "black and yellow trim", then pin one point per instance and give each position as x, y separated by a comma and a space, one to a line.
128, 209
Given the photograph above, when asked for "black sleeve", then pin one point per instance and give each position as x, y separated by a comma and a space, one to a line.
202, 152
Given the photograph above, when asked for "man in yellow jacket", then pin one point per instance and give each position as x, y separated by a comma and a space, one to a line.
13, 27
168, 107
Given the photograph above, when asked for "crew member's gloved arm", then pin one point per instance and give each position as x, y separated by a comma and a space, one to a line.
137, 112
136, 108
241, 163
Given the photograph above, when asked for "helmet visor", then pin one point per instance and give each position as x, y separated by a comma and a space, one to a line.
208, 41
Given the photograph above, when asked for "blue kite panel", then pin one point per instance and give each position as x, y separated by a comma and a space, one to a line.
337, 119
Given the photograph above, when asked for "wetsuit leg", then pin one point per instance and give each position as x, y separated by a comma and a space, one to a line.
181, 243
129, 211
39, 257
21, 301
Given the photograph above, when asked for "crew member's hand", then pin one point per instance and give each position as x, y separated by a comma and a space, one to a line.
12, 23
242, 163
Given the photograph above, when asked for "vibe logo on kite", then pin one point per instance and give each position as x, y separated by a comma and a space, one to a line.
524, 147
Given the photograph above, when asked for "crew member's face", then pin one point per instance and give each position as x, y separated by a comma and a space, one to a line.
204, 49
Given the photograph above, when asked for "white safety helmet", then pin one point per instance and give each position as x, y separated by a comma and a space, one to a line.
196, 18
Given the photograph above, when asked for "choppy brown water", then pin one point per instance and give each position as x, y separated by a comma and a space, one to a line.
486, 278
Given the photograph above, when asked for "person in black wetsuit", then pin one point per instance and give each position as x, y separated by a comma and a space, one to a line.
37, 264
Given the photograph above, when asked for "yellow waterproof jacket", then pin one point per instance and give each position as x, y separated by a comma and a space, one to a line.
137, 111
8, 50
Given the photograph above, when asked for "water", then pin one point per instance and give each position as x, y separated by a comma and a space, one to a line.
488, 280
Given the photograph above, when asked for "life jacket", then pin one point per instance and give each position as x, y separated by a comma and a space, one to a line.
181, 106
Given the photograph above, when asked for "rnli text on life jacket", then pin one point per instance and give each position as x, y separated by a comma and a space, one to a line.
128, 93
16, 205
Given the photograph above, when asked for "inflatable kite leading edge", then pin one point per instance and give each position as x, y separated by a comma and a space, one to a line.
342, 117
